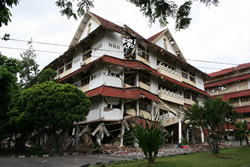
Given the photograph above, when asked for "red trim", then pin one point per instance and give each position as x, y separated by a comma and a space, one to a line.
228, 70
234, 94
134, 64
243, 109
129, 93
225, 81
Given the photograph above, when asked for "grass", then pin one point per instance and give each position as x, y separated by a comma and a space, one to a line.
233, 157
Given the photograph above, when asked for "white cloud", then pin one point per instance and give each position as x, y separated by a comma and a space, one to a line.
215, 34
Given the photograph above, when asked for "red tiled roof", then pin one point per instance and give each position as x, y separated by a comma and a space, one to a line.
134, 64
227, 80
234, 94
155, 36
108, 24
243, 109
129, 93
228, 70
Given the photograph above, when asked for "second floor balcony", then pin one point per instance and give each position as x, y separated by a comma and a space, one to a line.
171, 96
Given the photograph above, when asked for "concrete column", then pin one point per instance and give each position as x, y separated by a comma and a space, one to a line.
122, 134
179, 130
187, 135
98, 138
137, 107
202, 136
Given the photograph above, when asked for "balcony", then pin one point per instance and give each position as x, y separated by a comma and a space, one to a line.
170, 72
85, 88
144, 86
171, 96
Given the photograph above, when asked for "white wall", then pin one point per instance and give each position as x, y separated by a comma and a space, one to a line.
169, 46
77, 58
199, 81
94, 25
95, 111
153, 59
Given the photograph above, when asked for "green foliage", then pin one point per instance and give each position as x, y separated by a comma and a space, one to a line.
212, 117
35, 151
46, 75
5, 11
29, 67
184, 141
9, 68
151, 9
242, 131
96, 146
150, 136
50, 105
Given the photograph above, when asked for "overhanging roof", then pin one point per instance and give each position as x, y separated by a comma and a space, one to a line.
228, 70
227, 80
133, 64
243, 109
128, 93
234, 94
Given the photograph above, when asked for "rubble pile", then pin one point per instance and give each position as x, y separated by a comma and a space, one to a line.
167, 150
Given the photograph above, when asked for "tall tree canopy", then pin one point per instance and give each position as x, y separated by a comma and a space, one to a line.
29, 67
9, 68
51, 105
213, 117
154, 10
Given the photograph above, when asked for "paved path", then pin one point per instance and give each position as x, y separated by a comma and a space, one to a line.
60, 161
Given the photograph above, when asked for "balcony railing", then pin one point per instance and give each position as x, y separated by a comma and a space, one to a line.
170, 72
172, 96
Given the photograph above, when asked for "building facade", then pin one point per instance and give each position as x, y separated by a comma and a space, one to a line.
234, 84
127, 77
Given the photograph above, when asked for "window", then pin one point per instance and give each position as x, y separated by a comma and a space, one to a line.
186, 95
143, 52
129, 79
87, 53
89, 28
61, 69
144, 79
191, 77
145, 105
184, 73
244, 99
69, 64
165, 43
85, 81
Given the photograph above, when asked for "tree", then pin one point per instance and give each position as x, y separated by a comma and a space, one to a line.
150, 136
242, 132
152, 9
5, 11
54, 106
9, 68
46, 75
29, 67
214, 116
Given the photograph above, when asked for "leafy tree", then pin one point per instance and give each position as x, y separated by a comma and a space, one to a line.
5, 11
9, 68
51, 105
152, 9
242, 132
46, 75
212, 117
150, 136
29, 67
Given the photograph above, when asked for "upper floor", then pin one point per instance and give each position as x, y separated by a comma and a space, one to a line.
96, 37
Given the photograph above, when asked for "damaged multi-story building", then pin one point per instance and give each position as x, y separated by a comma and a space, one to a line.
232, 83
128, 77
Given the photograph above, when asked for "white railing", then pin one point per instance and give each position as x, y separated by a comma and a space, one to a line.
171, 93
169, 70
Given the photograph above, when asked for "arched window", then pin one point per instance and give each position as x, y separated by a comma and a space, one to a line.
165, 43
89, 28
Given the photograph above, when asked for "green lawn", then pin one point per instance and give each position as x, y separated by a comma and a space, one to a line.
234, 157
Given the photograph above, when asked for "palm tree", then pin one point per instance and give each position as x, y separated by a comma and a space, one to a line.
243, 132
150, 136
213, 117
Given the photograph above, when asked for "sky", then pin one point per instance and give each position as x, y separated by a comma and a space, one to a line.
216, 34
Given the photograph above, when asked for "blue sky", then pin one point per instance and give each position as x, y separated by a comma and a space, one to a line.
218, 34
